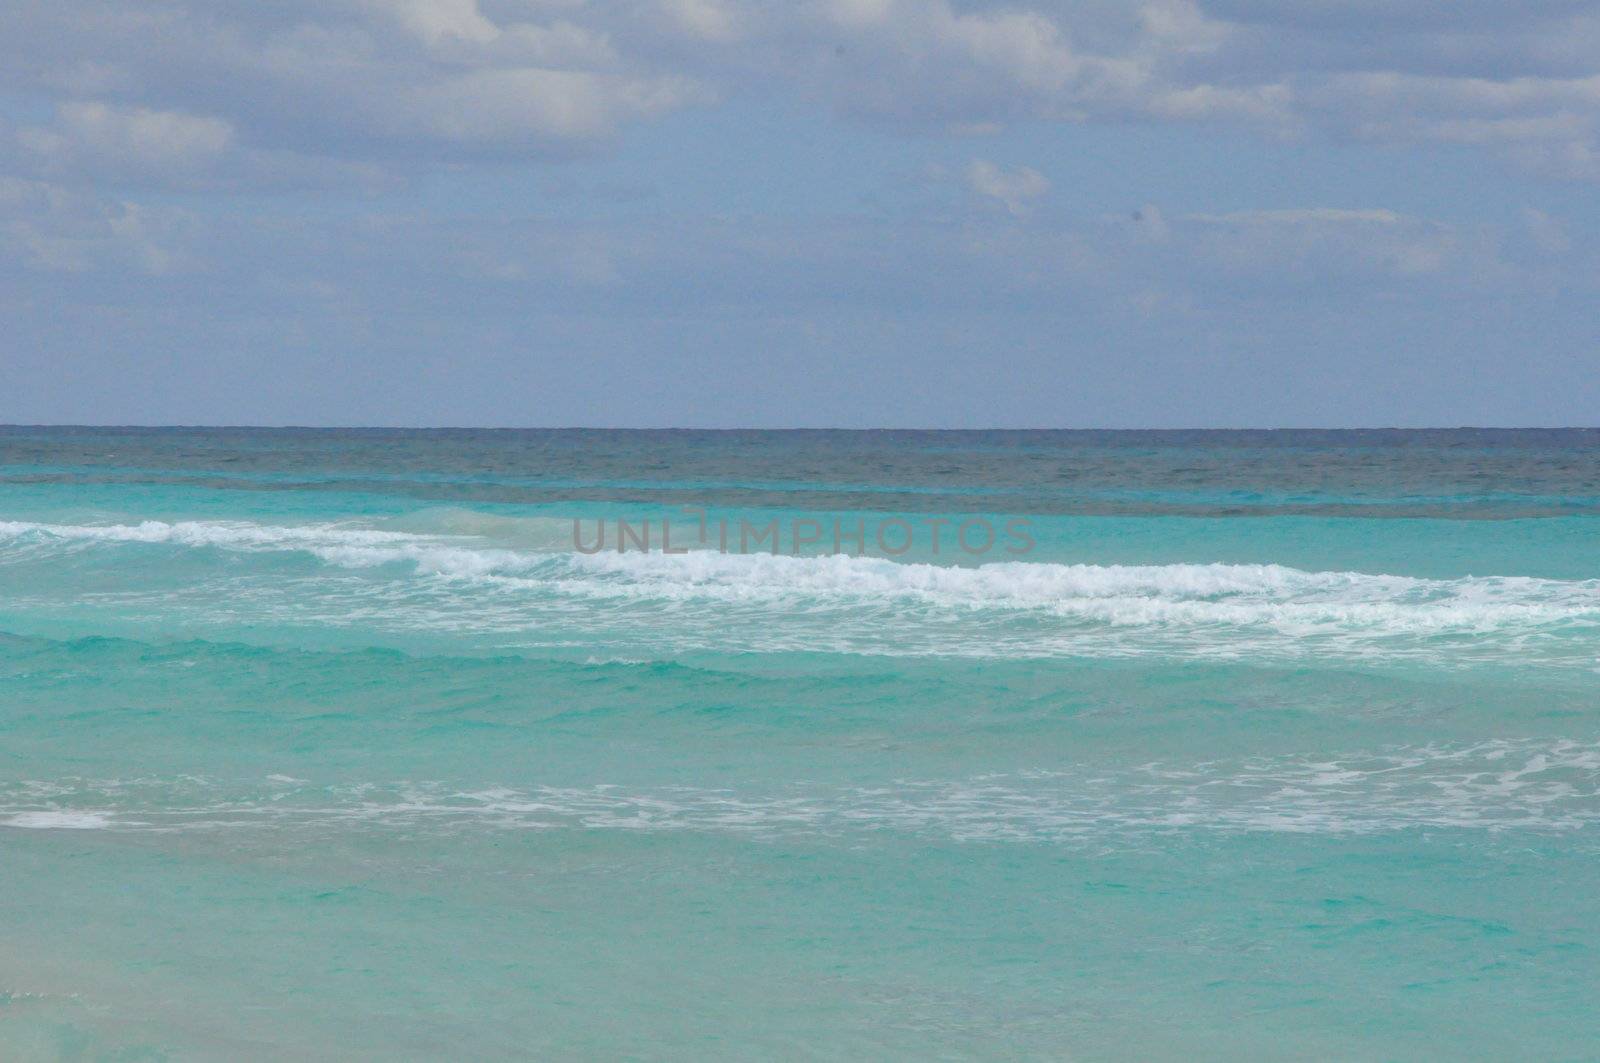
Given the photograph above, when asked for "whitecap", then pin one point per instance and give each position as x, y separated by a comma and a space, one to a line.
56, 819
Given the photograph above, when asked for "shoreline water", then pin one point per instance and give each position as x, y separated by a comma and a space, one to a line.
328, 740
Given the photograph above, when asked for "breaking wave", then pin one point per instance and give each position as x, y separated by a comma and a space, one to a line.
463, 582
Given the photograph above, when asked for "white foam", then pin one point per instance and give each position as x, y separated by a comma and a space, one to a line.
1491, 787
59, 820
467, 582
338, 544
210, 533
1287, 600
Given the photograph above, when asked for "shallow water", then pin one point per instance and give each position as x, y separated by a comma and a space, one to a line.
331, 745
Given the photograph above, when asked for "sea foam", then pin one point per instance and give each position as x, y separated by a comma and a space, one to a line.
1492, 786
463, 582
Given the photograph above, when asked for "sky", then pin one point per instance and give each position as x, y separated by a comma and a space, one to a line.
800, 213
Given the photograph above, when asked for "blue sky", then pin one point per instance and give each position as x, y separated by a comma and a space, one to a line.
817, 212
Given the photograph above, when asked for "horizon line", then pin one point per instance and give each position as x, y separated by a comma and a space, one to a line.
289, 427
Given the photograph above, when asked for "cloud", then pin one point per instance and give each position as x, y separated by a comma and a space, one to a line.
389, 83
1015, 189
1548, 234
128, 139
1312, 216
533, 105
510, 265
709, 20
1325, 244
437, 21
487, 307
1150, 224
377, 81
90, 142
50, 229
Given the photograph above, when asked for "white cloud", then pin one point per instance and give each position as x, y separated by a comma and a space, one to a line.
48, 228
709, 20
384, 79
1326, 241
1016, 188
369, 81
1304, 216
138, 146
1181, 24
515, 105
436, 21
127, 138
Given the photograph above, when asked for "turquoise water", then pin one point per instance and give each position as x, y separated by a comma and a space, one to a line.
330, 745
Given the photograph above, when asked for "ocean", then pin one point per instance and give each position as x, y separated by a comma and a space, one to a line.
384, 744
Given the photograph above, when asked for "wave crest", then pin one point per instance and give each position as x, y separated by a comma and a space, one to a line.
465, 583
